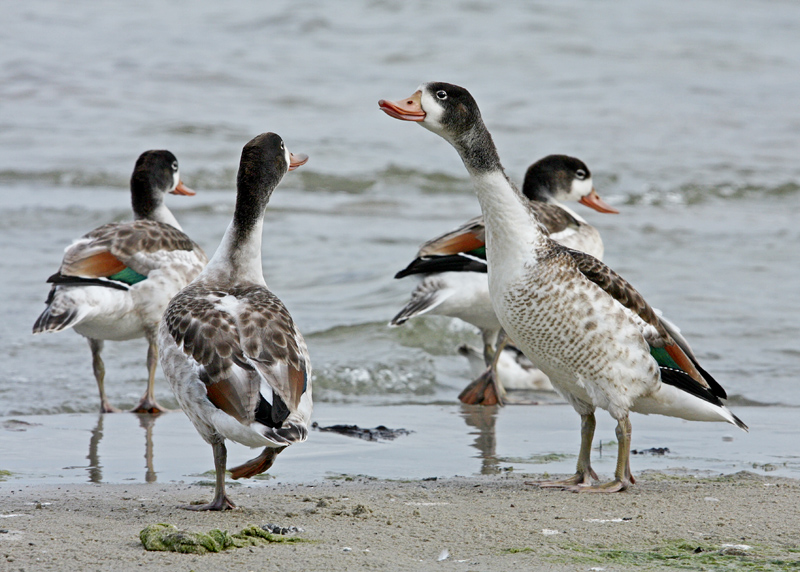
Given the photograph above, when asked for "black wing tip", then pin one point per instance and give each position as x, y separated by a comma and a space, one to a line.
63, 280
741, 424
398, 320
716, 388
683, 381
447, 263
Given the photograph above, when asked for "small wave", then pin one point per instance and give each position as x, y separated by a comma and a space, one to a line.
437, 335
435, 182
378, 379
65, 178
692, 194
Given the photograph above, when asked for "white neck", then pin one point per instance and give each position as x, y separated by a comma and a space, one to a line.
511, 228
238, 258
162, 214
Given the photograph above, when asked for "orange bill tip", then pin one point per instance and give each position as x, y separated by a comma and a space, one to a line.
182, 189
297, 159
593, 200
409, 109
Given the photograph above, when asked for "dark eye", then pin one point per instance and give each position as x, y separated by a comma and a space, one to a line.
174, 165
282, 145
580, 174
441, 94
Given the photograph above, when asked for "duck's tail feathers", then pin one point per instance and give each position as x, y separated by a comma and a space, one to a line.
421, 302
681, 396
49, 321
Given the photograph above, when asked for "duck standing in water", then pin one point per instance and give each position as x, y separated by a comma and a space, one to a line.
229, 348
114, 282
590, 331
454, 264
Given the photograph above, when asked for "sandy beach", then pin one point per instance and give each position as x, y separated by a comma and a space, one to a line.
741, 521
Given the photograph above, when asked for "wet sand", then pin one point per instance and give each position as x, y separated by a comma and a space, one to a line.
353, 523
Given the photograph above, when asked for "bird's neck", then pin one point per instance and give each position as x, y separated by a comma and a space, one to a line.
510, 224
238, 257
158, 213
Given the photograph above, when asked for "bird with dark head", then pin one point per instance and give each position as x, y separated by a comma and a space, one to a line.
236, 362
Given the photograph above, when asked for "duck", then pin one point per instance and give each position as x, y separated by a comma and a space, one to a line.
115, 281
453, 265
235, 360
588, 329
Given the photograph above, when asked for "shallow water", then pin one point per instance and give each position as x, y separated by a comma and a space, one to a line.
444, 440
687, 116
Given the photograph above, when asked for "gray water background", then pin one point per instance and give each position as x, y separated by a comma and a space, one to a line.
688, 115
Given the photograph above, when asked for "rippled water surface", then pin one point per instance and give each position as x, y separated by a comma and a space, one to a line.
686, 114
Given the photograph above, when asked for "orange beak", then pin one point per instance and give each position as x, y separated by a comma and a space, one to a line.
182, 189
594, 201
410, 109
295, 160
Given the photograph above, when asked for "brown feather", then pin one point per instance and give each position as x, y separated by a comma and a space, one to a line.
223, 395
129, 243
100, 265
685, 363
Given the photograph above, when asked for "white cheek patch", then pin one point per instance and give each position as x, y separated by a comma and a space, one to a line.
580, 189
432, 108
176, 178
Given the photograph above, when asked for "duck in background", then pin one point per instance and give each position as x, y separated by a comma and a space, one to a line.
454, 269
236, 362
597, 339
115, 281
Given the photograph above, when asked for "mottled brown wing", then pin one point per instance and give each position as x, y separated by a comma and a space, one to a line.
111, 247
272, 343
619, 288
467, 237
239, 343
552, 217
210, 335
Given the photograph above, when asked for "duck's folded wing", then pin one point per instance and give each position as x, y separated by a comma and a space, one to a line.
199, 324
466, 238
138, 246
665, 349
273, 345
554, 219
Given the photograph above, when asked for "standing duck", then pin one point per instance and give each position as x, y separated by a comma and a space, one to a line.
229, 348
590, 331
114, 282
454, 264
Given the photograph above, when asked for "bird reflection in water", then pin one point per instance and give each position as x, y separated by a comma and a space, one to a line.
483, 419
95, 469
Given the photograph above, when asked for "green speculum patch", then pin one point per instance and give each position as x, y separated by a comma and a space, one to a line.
479, 252
127, 276
663, 358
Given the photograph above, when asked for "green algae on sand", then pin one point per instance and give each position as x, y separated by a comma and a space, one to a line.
167, 537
